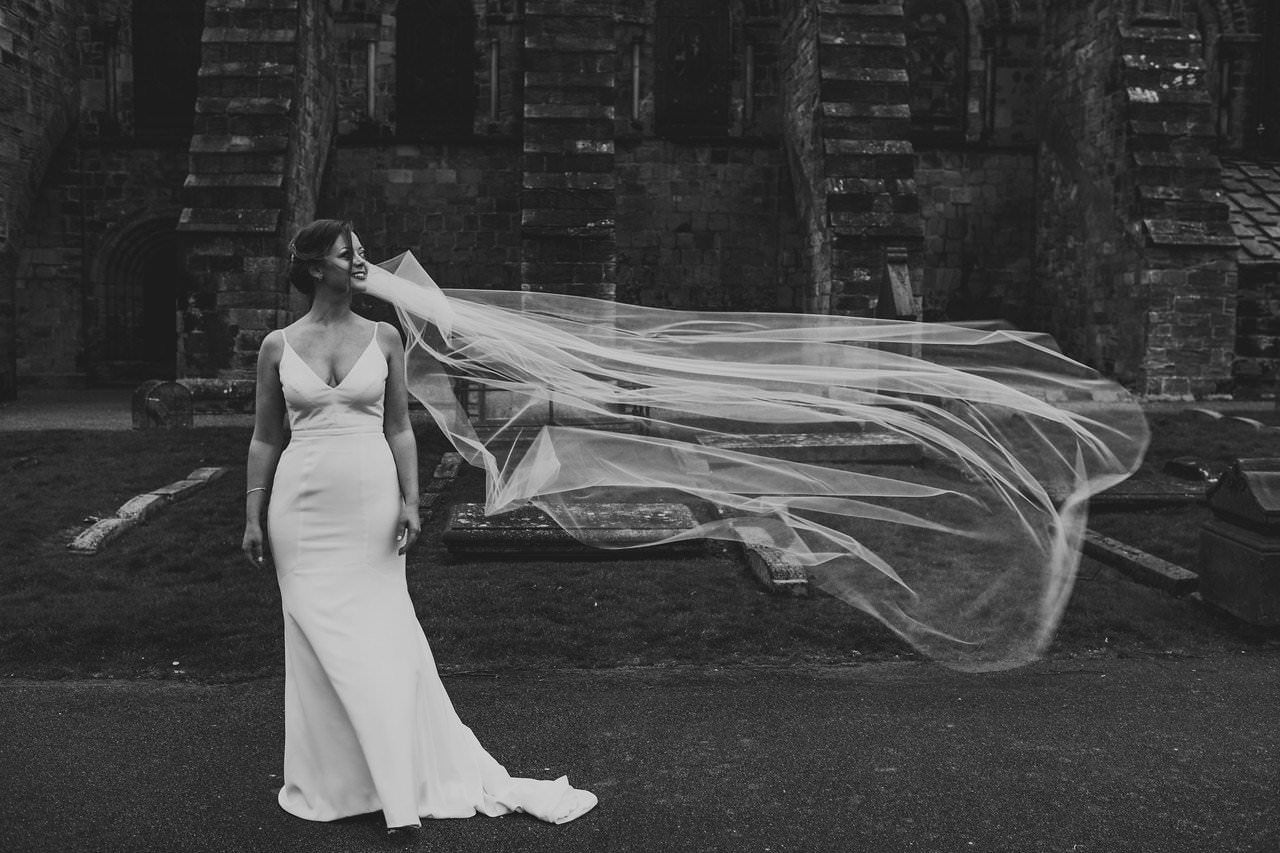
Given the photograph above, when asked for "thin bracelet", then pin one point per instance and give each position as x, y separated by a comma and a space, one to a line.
255, 489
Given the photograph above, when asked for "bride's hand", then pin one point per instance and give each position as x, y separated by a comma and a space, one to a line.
253, 544
408, 527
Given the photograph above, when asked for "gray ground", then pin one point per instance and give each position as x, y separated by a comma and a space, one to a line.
1116, 755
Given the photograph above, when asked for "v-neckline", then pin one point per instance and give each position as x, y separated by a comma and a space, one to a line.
317, 376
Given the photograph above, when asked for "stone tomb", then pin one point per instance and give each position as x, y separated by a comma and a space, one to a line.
1240, 546
529, 532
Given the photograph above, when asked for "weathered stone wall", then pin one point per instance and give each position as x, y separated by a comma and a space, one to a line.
978, 209
456, 206
1088, 292
39, 89
802, 144
707, 227
1258, 332
93, 193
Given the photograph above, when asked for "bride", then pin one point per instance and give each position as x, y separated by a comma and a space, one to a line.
968, 549
368, 725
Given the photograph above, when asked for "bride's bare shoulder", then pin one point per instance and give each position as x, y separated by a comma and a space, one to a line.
388, 337
272, 345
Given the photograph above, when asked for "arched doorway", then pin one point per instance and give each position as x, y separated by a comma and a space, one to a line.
142, 291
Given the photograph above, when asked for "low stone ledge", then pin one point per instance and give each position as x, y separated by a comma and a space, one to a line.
823, 447
772, 567
1142, 567
529, 532
180, 490
100, 533
140, 508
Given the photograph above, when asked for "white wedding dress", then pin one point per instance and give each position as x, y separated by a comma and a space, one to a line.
368, 725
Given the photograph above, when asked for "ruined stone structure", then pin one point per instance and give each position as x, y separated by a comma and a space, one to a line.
1098, 169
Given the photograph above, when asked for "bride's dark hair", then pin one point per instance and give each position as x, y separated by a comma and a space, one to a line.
310, 246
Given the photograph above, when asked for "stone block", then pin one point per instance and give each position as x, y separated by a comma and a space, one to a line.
98, 535
180, 490
142, 507
879, 447
529, 531
1240, 572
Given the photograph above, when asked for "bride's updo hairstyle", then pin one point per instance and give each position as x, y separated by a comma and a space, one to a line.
309, 248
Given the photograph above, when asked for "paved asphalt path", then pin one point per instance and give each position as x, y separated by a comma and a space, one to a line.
1116, 756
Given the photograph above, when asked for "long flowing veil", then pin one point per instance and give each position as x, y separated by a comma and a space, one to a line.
968, 549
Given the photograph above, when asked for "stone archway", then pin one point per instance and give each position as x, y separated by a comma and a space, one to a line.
141, 291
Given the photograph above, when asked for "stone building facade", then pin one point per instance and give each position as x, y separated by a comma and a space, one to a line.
1070, 166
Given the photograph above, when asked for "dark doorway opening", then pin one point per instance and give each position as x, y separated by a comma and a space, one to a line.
144, 292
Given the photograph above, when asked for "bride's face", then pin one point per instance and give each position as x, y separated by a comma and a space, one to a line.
344, 264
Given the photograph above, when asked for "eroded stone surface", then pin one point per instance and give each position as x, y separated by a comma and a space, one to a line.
529, 530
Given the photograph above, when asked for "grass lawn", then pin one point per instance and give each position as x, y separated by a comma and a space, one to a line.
174, 598
1173, 532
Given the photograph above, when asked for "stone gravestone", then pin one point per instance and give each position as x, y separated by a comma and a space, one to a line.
159, 403
1240, 546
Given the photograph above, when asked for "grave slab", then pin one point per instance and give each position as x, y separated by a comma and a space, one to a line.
530, 532
883, 447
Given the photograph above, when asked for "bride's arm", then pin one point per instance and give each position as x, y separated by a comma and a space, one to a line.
265, 446
399, 432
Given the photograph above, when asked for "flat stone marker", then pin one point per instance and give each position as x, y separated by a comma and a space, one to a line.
529, 531
822, 446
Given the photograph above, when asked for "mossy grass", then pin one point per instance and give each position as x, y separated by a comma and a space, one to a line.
174, 598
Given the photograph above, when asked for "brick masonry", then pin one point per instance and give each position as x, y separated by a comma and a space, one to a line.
1097, 218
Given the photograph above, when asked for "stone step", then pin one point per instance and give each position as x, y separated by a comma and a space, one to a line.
556, 144
251, 70
867, 147
238, 144
870, 202
854, 110
1161, 42
875, 224
571, 8
251, 4
568, 180
210, 164
866, 17
865, 128
1157, 135
1147, 104
881, 166
252, 189
223, 124
229, 221
248, 35
530, 532
869, 186
881, 88
1189, 203
562, 43
871, 446
1164, 71
1176, 232
249, 106
842, 55
253, 15
837, 31
563, 80
574, 112
566, 162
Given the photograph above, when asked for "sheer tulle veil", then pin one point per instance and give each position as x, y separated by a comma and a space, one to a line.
969, 552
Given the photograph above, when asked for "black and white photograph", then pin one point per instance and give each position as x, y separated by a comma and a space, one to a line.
758, 426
